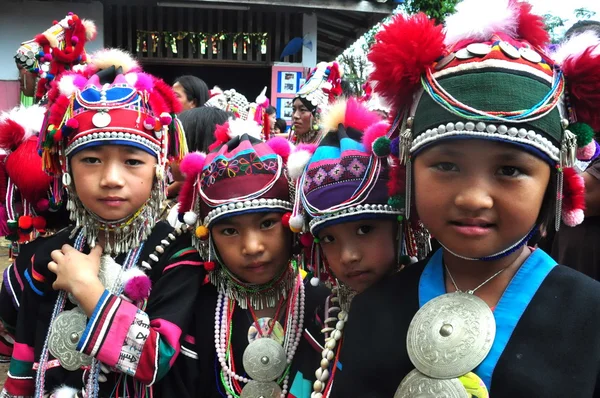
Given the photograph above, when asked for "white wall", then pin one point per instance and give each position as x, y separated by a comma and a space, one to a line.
21, 20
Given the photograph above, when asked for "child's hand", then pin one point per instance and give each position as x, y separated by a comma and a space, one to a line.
75, 271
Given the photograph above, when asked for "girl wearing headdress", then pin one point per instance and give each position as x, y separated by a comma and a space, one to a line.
262, 338
101, 312
490, 127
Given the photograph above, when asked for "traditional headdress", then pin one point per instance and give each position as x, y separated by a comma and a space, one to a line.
348, 177
25, 189
323, 85
243, 175
58, 49
111, 102
488, 77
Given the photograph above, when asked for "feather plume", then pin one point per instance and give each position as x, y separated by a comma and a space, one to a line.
90, 29
403, 50
581, 72
106, 58
299, 158
478, 20
576, 46
238, 127
33, 183
531, 27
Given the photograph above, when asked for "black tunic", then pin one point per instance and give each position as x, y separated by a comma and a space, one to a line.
553, 351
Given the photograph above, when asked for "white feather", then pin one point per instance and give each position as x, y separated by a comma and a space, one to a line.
262, 98
576, 45
66, 85
131, 79
64, 392
239, 127
297, 161
479, 19
30, 118
112, 56
90, 29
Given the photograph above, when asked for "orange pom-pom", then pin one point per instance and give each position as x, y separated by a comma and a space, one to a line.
202, 232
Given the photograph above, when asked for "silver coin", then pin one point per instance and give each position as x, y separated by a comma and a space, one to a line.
479, 49
417, 385
510, 50
65, 332
101, 119
445, 61
530, 55
29, 62
264, 360
464, 54
451, 335
261, 389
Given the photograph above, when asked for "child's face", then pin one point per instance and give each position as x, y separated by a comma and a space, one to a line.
360, 252
479, 197
113, 181
253, 246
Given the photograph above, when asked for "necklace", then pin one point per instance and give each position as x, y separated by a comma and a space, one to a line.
480, 285
266, 362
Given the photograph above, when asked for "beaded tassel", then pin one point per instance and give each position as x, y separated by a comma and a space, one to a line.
559, 198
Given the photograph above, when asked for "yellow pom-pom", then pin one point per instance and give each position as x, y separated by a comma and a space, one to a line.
202, 232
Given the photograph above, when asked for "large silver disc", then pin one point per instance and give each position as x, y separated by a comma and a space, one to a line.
417, 385
261, 389
65, 332
451, 335
264, 360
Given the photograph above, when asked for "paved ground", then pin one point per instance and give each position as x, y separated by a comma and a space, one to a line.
4, 262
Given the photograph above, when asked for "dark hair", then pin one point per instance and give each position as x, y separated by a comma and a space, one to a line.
281, 125
195, 89
547, 212
271, 110
583, 26
200, 124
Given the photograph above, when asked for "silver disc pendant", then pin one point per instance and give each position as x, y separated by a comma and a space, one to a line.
101, 119
451, 335
479, 49
65, 332
416, 384
261, 389
264, 360
530, 55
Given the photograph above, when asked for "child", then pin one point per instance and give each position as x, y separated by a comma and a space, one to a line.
87, 325
265, 314
490, 148
358, 235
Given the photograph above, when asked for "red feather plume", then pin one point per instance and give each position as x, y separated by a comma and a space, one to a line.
531, 26
221, 136
583, 79
358, 115
33, 183
403, 51
168, 95
11, 134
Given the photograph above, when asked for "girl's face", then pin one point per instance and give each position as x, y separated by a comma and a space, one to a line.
272, 121
302, 117
479, 197
182, 97
360, 253
255, 246
113, 181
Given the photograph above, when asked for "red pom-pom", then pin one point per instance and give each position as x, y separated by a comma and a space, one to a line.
39, 223
573, 196
210, 266
25, 222
285, 220
306, 239
138, 288
42, 204
280, 146
403, 51
165, 119
75, 40
48, 57
58, 136
72, 124
149, 123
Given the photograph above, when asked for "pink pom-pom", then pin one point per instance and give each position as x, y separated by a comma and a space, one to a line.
72, 124
79, 81
138, 287
310, 148
74, 40
280, 146
192, 164
42, 204
587, 152
165, 119
48, 57
372, 133
149, 123
573, 218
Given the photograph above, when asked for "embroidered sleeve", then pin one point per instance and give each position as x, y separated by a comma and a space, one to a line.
145, 344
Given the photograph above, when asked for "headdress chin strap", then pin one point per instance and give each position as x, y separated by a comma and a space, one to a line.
503, 253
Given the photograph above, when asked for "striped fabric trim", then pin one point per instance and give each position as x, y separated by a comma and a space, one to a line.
189, 353
180, 263
9, 287
183, 252
35, 289
93, 319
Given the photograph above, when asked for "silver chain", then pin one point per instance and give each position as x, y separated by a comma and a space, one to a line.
473, 290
